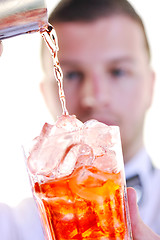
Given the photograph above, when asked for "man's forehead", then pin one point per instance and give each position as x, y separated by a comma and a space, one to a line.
79, 43
108, 22
109, 32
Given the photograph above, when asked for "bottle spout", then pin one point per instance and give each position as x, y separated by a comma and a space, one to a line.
21, 16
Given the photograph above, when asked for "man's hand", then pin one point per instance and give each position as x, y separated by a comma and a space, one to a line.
139, 230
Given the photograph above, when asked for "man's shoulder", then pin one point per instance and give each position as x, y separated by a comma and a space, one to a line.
8, 228
26, 205
26, 211
27, 220
156, 171
21, 222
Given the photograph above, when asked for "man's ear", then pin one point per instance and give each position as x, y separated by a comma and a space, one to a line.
43, 90
152, 86
1, 48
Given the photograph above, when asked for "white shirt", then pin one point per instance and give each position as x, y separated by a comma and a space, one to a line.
20, 223
23, 223
149, 205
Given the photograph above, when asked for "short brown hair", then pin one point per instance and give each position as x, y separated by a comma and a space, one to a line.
90, 10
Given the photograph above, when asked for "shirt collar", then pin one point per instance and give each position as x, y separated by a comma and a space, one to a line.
140, 164
137, 171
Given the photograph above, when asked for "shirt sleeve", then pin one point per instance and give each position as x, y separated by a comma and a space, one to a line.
8, 229
27, 221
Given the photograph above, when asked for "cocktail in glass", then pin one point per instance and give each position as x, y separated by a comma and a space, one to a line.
77, 177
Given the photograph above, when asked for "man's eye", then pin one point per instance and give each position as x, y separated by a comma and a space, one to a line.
73, 76
118, 72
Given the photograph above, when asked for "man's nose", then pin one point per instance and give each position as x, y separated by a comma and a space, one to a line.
96, 91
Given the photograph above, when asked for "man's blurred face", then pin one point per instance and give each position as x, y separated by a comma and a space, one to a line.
106, 73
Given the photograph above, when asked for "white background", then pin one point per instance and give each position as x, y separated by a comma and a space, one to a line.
23, 112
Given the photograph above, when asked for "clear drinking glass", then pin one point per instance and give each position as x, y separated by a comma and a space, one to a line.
78, 182
21, 16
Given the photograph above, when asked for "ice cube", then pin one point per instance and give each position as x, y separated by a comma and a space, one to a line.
106, 145
49, 148
69, 123
91, 177
88, 183
67, 163
100, 133
76, 155
107, 161
45, 160
85, 156
97, 136
36, 150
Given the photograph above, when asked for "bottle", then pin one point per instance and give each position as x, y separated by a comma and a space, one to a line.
21, 16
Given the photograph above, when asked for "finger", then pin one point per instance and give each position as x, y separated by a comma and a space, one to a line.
133, 208
139, 230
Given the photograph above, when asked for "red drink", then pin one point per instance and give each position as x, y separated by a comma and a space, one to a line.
88, 204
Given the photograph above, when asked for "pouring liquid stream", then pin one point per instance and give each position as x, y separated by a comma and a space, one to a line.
50, 37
